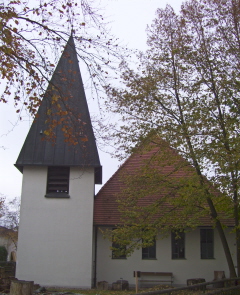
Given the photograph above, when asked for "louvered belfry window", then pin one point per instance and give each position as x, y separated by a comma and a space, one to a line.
58, 180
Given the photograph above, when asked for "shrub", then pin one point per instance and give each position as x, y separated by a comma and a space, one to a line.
3, 253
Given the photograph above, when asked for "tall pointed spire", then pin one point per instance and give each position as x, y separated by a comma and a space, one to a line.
63, 116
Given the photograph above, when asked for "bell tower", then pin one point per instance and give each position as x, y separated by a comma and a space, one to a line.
60, 166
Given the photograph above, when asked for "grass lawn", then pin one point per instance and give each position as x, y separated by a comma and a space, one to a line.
132, 291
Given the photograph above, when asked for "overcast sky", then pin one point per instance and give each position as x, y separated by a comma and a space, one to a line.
128, 20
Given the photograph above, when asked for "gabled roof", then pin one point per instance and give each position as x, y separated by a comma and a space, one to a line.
168, 163
64, 104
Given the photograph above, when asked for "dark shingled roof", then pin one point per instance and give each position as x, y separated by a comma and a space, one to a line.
66, 85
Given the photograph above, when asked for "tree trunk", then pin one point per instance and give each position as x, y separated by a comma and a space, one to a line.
236, 217
238, 250
226, 250
21, 288
221, 233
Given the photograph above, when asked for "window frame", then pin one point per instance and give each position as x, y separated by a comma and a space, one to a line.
150, 252
176, 244
122, 256
206, 243
58, 182
117, 246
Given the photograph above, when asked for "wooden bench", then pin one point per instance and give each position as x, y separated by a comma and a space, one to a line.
154, 277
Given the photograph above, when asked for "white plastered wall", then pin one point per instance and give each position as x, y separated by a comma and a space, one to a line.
55, 235
192, 266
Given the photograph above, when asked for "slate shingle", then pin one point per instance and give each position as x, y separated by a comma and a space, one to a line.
68, 85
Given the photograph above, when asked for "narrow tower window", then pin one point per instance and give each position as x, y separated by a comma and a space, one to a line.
58, 181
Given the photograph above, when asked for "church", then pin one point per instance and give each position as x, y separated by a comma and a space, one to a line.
60, 240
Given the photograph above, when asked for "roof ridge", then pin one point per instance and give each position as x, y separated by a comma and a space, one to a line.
119, 168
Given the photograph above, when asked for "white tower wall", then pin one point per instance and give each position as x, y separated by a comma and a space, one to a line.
55, 236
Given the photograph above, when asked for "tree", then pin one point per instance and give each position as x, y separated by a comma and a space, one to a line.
9, 213
9, 219
186, 88
32, 37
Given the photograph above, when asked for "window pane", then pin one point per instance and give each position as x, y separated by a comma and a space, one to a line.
207, 246
149, 252
178, 245
116, 253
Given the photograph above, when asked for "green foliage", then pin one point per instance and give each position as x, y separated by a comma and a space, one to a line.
186, 89
3, 253
32, 37
162, 195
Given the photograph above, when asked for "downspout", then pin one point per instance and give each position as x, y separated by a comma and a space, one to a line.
95, 258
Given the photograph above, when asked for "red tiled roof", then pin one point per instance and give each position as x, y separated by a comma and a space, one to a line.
170, 164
